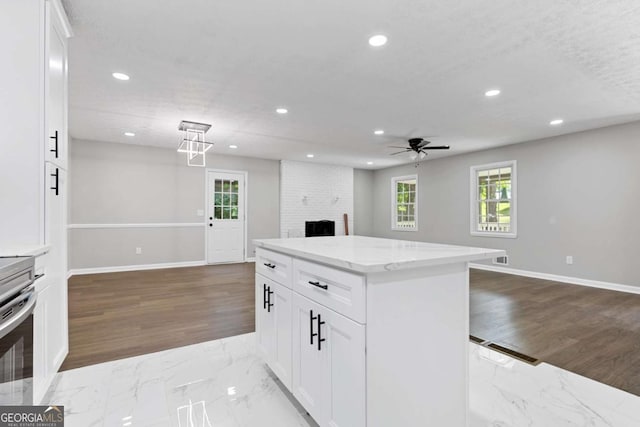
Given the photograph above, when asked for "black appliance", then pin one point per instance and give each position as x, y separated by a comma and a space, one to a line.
17, 301
319, 228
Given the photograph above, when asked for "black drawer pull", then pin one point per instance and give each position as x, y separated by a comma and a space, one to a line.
320, 339
57, 177
311, 319
264, 296
269, 304
269, 265
318, 285
55, 139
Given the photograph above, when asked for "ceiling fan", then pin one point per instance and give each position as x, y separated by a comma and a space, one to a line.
419, 147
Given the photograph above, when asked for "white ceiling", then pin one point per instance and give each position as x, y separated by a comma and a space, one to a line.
231, 63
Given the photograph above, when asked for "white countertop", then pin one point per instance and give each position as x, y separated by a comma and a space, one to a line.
371, 254
25, 250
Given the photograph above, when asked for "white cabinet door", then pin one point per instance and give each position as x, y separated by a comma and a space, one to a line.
308, 362
345, 370
328, 364
279, 308
264, 322
273, 326
56, 266
41, 375
56, 111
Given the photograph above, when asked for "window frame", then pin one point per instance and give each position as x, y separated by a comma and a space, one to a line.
473, 200
394, 203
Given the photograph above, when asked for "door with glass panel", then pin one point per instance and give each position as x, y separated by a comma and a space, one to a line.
225, 217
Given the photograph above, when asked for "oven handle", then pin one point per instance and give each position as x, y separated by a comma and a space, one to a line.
15, 320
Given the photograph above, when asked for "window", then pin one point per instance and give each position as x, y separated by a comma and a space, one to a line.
493, 199
404, 193
225, 199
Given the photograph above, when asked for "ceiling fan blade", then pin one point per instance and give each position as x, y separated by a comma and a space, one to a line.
399, 152
437, 147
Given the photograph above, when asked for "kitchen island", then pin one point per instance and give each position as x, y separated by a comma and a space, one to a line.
366, 331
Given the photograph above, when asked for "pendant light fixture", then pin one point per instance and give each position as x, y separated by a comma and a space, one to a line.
193, 142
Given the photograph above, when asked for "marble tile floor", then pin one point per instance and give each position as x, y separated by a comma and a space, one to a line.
223, 383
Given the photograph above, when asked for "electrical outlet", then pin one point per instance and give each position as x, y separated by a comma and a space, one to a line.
569, 259
138, 251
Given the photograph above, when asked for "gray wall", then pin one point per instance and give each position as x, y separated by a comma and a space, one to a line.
578, 195
363, 181
117, 183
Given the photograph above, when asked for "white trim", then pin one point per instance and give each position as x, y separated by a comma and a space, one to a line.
120, 268
57, 8
246, 207
556, 278
394, 202
473, 188
250, 259
137, 225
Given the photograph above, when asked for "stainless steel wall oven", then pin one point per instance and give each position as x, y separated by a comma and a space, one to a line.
17, 301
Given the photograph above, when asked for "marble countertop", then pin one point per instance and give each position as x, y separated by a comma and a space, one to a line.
25, 250
371, 254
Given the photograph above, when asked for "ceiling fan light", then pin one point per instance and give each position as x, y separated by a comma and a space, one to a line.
413, 156
422, 155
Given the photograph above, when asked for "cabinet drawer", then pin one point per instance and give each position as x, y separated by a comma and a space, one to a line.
274, 266
338, 290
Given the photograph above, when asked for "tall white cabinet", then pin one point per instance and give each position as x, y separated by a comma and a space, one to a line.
34, 166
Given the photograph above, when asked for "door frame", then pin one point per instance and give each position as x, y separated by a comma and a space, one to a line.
246, 206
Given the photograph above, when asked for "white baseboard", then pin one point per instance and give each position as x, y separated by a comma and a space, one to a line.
120, 268
556, 278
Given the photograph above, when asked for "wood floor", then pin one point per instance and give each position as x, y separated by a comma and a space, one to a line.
592, 332
118, 315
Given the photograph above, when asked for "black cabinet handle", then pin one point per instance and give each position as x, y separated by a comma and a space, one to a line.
311, 319
269, 304
264, 296
269, 265
57, 177
55, 140
318, 285
320, 339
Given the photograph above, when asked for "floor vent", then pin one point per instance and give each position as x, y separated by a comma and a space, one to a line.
501, 260
516, 355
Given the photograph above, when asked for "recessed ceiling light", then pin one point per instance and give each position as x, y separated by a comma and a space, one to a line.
556, 122
120, 76
233, 146
129, 134
492, 92
282, 110
379, 132
369, 163
310, 156
378, 40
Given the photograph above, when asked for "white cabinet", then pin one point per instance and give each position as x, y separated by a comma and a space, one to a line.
329, 376
33, 38
273, 326
56, 104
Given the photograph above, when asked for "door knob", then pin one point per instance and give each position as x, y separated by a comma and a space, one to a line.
210, 225
210, 218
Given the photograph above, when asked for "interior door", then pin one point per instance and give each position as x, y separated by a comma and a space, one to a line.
225, 217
